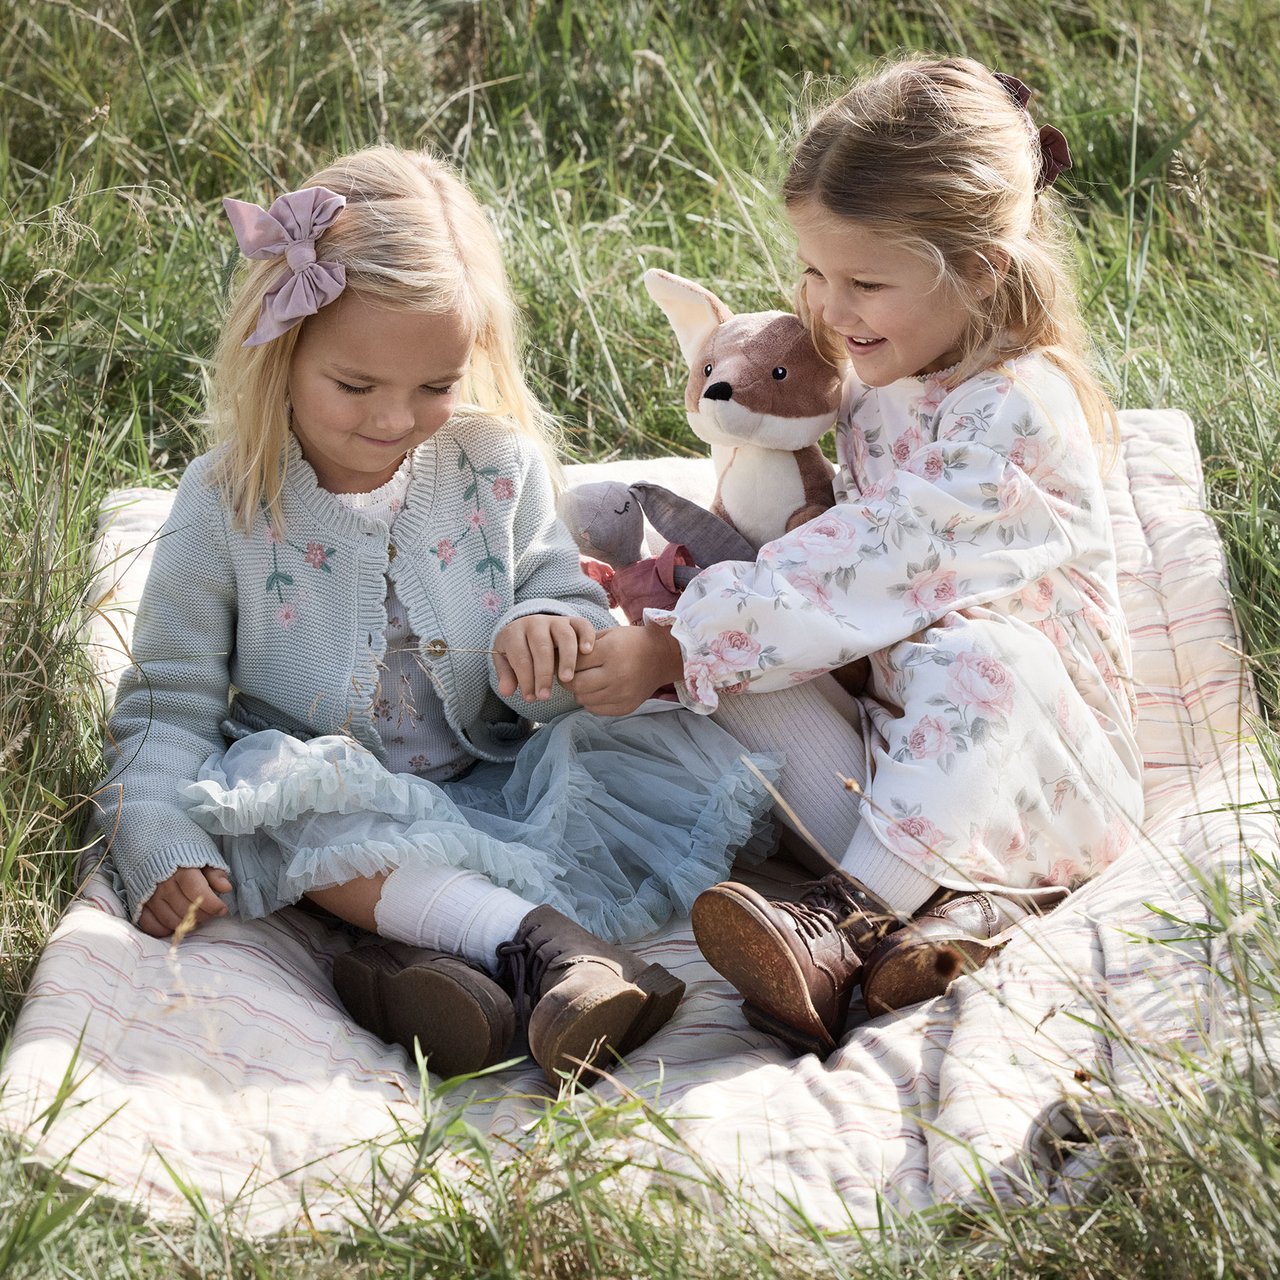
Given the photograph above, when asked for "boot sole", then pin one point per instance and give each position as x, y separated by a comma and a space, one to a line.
567, 1034
462, 1020
743, 946
797, 1039
911, 970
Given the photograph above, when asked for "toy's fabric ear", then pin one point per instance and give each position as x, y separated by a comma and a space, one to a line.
708, 538
694, 312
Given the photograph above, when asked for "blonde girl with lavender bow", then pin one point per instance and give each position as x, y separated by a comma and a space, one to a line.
989, 761
361, 602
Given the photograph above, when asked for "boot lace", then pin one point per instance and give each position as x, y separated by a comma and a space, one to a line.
521, 966
835, 900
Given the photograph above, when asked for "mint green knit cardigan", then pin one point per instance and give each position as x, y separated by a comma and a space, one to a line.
285, 626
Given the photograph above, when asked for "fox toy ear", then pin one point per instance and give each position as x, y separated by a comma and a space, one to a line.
694, 312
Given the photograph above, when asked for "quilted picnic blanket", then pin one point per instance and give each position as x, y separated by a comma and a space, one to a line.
227, 1061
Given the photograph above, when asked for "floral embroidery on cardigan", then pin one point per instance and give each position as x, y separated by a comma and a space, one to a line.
446, 550
314, 554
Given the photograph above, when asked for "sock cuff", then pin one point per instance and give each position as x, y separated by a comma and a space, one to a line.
891, 878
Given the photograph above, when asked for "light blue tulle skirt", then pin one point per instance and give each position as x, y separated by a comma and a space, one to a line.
618, 823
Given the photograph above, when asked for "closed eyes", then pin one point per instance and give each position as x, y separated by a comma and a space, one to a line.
352, 390
866, 286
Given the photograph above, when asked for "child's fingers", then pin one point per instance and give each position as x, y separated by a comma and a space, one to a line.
218, 879
586, 634
148, 923
569, 638
508, 680
163, 913
542, 658
194, 889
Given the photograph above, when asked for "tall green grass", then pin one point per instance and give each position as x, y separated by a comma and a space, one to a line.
606, 138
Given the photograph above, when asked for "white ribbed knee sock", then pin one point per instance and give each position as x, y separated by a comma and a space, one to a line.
892, 879
816, 727
450, 910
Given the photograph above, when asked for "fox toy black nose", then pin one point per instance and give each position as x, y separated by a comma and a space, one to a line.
719, 391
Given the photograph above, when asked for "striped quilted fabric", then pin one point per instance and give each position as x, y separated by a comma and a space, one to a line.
228, 1058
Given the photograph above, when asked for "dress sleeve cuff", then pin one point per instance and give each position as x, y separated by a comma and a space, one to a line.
696, 691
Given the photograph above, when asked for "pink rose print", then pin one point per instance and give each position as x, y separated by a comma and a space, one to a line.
274, 536
930, 589
825, 541
476, 519
905, 445
856, 452
395, 506
883, 670
446, 551
1064, 872
735, 649
1058, 489
913, 836
1037, 595
929, 739
934, 394
981, 683
932, 464
812, 586
803, 677
286, 616
1052, 628
1024, 453
700, 678
1019, 839
503, 489
317, 555
489, 601
1009, 493
419, 763
876, 490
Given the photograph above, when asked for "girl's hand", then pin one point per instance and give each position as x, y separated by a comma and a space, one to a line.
628, 665
531, 652
191, 892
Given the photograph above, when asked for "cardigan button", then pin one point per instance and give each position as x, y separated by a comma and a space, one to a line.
435, 648
391, 550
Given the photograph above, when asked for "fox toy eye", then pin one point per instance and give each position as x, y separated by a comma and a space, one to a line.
706, 371
780, 373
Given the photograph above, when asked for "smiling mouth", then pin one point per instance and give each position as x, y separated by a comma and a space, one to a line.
862, 344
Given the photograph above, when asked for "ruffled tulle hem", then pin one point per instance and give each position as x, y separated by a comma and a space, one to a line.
617, 842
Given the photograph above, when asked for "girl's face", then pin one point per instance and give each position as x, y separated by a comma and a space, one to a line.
369, 383
895, 319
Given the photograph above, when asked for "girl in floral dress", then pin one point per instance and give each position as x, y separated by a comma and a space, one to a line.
988, 761
359, 604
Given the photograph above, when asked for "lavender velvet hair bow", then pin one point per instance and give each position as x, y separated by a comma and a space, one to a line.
290, 227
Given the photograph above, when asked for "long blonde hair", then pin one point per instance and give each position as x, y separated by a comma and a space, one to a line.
412, 236
935, 155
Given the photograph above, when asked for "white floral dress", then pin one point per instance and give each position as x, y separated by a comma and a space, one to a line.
969, 556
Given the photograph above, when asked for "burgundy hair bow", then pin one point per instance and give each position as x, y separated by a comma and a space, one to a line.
290, 228
1055, 154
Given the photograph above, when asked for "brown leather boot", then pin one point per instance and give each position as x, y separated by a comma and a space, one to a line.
460, 1017
583, 999
954, 933
795, 963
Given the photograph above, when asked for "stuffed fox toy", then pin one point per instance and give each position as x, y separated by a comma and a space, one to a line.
761, 396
